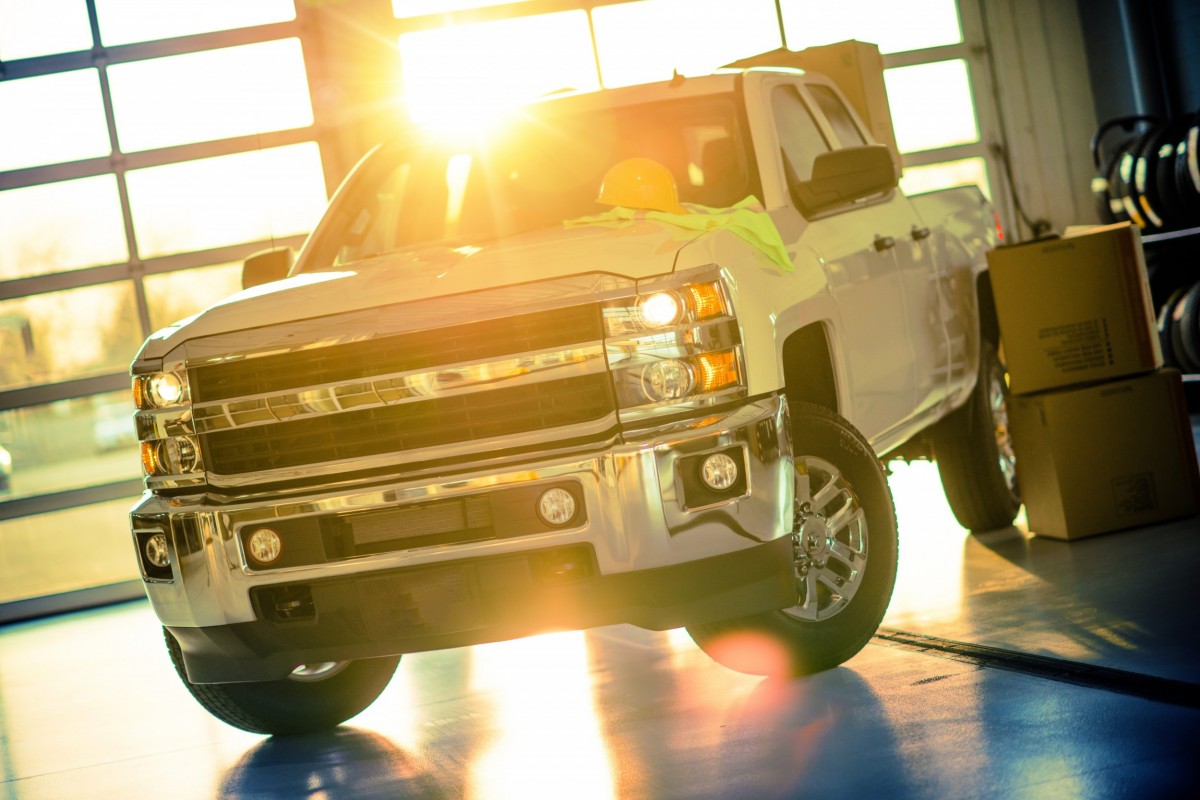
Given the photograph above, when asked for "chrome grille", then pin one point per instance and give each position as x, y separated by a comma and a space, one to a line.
356, 361
412, 426
404, 402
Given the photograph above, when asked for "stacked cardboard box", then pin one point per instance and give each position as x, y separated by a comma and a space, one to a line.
1101, 432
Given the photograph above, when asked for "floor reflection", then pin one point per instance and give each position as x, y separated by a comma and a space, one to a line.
546, 740
929, 575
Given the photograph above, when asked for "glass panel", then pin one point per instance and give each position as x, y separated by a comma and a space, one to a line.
544, 168
931, 105
69, 334
799, 136
964, 172
124, 21
31, 240
62, 119
839, 118
224, 200
894, 26
456, 76
42, 28
68, 444
210, 95
704, 35
66, 550
175, 295
416, 8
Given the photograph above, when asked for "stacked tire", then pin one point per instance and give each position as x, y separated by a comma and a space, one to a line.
1147, 172
1179, 329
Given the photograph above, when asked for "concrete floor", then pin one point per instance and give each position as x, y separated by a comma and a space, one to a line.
1008, 666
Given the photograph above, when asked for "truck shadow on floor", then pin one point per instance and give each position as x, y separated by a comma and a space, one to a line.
336, 765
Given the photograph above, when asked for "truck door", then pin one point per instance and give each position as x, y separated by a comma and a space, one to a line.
856, 247
934, 355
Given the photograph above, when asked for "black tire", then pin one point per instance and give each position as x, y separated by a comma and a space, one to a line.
1166, 331
844, 571
1187, 321
974, 452
291, 706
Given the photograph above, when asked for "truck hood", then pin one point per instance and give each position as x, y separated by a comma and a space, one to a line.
638, 250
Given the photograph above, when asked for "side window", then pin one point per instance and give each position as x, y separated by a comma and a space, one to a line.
799, 136
839, 118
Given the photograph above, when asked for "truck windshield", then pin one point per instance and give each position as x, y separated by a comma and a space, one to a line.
538, 172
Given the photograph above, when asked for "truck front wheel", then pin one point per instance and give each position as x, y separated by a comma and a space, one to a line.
974, 452
844, 543
313, 698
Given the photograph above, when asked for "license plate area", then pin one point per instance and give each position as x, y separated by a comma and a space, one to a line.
420, 603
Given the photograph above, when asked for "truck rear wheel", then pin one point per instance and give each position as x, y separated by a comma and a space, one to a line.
313, 698
844, 541
974, 452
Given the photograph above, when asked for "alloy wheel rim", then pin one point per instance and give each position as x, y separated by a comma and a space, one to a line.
998, 406
829, 540
320, 671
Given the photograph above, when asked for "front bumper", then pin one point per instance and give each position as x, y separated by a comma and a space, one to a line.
648, 549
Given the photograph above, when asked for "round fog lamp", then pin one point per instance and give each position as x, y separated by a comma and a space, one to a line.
556, 506
719, 472
264, 545
156, 551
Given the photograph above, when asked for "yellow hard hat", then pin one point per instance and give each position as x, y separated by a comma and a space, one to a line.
640, 183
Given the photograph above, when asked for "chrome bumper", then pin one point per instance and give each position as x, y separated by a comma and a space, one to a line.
636, 501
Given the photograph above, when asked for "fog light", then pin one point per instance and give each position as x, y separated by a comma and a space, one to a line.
264, 545
157, 552
667, 380
719, 472
556, 506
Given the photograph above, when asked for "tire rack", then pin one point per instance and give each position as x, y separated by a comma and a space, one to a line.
1173, 264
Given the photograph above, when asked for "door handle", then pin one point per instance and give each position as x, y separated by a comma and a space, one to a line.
919, 233
884, 243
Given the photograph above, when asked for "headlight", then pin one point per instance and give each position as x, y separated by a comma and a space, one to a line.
674, 348
159, 390
665, 308
667, 380
660, 310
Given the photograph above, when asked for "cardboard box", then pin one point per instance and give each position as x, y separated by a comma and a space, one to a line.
1105, 457
1075, 310
856, 68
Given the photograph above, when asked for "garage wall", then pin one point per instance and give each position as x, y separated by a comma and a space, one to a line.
1042, 107
1179, 26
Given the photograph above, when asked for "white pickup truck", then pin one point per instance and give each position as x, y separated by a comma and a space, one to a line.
480, 405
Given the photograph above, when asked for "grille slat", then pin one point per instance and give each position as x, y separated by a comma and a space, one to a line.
355, 361
410, 426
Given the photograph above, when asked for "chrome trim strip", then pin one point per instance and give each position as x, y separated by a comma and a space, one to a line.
400, 387
596, 428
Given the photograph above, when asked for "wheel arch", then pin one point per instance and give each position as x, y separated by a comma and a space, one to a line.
989, 324
809, 373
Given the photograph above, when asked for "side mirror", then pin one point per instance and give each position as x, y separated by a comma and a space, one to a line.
267, 265
840, 177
